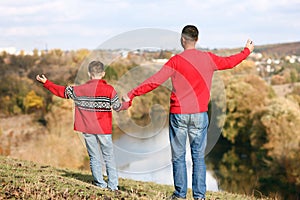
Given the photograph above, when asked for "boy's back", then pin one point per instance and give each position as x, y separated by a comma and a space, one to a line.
94, 101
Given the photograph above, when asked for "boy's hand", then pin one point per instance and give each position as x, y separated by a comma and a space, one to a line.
41, 78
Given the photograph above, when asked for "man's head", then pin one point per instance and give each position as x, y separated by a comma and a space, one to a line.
96, 70
190, 32
189, 35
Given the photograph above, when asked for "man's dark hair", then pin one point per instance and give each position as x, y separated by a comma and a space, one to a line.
96, 68
190, 32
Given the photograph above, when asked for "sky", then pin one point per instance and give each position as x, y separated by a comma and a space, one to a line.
76, 24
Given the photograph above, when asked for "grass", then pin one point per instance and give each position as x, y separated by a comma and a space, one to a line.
27, 180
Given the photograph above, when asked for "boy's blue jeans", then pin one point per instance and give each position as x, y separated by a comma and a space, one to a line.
97, 144
193, 126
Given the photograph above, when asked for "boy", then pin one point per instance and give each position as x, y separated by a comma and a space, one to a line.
94, 102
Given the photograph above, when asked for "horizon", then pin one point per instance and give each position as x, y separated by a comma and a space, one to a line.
14, 51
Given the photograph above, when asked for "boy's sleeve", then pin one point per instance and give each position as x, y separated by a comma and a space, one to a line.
115, 102
117, 105
57, 90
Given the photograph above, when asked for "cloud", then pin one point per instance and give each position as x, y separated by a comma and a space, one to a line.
220, 22
23, 31
14, 9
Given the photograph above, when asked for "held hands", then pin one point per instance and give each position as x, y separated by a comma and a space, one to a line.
125, 98
126, 102
125, 105
250, 45
41, 78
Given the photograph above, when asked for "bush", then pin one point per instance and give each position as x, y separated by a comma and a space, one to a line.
32, 102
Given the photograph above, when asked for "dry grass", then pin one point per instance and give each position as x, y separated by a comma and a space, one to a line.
27, 180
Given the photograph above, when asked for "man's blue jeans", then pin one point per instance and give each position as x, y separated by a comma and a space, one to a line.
97, 144
193, 126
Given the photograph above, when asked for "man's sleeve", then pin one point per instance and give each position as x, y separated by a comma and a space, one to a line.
57, 90
229, 62
154, 81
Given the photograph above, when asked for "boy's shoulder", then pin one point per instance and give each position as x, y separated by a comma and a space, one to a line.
103, 84
95, 83
108, 85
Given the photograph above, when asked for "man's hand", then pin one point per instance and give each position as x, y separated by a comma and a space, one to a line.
41, 78
125, 98
250, 45
126, 102
125, 105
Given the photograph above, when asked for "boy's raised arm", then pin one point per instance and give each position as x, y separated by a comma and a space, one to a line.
41, 78
57, 90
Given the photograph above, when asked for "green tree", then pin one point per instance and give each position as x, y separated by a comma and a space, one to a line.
110, 73
294, 76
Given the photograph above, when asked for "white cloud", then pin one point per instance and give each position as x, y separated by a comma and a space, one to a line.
21, 10
218, 21
24, 31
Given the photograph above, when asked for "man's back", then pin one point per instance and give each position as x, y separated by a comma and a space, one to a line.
193, 71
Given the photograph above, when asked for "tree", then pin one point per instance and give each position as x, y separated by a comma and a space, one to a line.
32, 102
110, 73
245, 95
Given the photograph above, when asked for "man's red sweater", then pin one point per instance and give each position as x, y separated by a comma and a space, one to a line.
94, 102
191, 74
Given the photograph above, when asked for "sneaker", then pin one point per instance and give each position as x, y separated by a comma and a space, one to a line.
115, 189
174, 197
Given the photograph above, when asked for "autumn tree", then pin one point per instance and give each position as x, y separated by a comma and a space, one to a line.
32, 102
282, 124
245, 95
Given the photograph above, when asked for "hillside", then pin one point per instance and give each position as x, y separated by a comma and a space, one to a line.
280, 49
27, 180
292, 48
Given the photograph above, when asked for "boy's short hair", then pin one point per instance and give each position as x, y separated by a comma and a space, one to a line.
190, 32
96, 68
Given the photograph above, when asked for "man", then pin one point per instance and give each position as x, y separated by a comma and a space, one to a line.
94, 102
191, 74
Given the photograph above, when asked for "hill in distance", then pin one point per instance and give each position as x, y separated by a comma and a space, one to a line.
292, 48
280, 49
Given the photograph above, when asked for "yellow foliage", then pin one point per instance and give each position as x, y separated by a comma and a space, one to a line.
80, 55
32, 101
282, 123
245, 67
244, 95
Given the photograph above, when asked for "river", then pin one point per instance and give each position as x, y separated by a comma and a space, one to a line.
149, 159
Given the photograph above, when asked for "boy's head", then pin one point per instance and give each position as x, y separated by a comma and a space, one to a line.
96, 70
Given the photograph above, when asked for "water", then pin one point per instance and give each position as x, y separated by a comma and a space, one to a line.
149, 159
